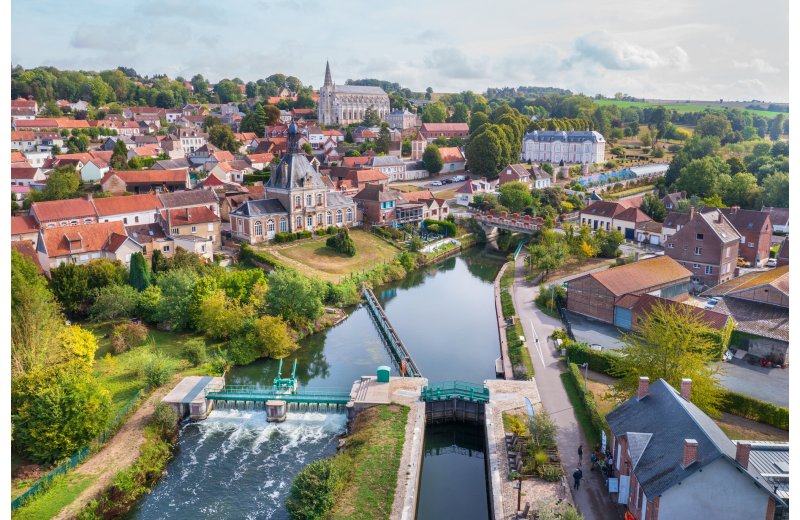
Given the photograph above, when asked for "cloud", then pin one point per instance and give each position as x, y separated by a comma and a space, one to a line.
451, 62
606, 50
756, 64
92, 37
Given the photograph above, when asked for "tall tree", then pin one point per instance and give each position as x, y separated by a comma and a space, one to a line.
384, 139
434, 113
432, 159
776, 190
70, 285
776, 127
515, 196
371, 117
140, 273
699, 177
549, 253
460, 113
119, 159
273, 114
672, 343
713, 125
653, 207
222, 137
294, 297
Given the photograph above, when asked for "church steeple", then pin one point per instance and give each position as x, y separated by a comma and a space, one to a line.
293, 139
328, 79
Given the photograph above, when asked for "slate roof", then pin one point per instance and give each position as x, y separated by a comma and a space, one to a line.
259, 208
669, 419
760, 319
575, 136
745, 220
294, 171
780, 216
384, 160
335, 199
358, 89
172, 164
145, 233
641, 275
183, 198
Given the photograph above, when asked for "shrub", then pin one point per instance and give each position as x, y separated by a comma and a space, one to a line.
219, 364
114, 302
599, 361
755, 409
194, 350
550, 472
448, 228
156, 370
597, 422
164, 420
342, 243
313, 491
125, 336
283, 236
302, 234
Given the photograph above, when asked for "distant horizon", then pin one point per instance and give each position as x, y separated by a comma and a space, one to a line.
679, 50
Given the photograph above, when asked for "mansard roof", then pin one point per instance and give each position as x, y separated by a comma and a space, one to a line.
574, 136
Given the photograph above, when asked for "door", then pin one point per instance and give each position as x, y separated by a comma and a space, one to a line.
629, 233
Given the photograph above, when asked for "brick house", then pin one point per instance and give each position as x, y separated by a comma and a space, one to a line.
783, 254
600, 295
755, 227
673, 462
195, 229
514, 173
708, 245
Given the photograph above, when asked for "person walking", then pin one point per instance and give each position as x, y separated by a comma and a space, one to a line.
578, 475
580, 455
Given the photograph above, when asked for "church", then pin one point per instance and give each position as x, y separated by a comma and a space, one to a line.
342, 105
296, 198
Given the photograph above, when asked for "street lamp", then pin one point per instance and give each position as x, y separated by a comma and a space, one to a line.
585, 368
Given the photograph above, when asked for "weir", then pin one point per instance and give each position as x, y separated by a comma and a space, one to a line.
394, 344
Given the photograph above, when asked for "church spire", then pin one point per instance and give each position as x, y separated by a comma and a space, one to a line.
328, 79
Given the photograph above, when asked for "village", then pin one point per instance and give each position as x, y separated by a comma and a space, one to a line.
159, 248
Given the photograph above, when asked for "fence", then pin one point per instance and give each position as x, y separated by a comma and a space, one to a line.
76, 457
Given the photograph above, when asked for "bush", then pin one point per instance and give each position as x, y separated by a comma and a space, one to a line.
219, 364
313, 491
114, 302
550, 472
597, 422
449, 228
125, 336
164, 420
756, 410
283, 236
599, 361
342, 243
156, 370
194, 350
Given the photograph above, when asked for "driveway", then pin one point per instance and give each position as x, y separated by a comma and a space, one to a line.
594, 332
767, 384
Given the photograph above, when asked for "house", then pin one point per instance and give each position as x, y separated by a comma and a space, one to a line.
630, 221
24, 228
37, 159
758, 302
755, 228
82, 243
708, 245
143, 181
783, 254
26, 175
671, 200
190, 199
402, 119
384, 206
233, 171
23, 141
18, 159
432, 131
780, 219
356, 178
599, 295
433, 208
63, 213
389, 165
192, 139
466, 193
30, 104
452, 159
622, 216
47, 140
554, 146
94, 170
111, 142
27, 248
674, 462
259, 161
514, 173
196, 229
152, 237
130, 210
146, 151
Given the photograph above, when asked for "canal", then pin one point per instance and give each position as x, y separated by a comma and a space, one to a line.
236, 465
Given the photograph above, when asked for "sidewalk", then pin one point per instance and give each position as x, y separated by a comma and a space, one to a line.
591, 499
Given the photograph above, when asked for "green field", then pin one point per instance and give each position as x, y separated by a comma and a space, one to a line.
312, 257
49, 502
683, 107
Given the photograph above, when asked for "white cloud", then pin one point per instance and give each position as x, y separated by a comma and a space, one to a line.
611, 52
756, 64
452, 63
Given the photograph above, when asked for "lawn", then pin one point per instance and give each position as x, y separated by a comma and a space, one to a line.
61, 492
370, 462
682, 107
582, 416
312, 257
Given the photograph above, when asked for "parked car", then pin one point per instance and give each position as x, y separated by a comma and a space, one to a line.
436, 183
772, 262
741, 262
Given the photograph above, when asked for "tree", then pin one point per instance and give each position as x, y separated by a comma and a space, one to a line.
342, 243
485, 154
371, 117
776, 127
736, 165
140, 274
228, 91
176, 292
158, 262
273, 338
35, 317
273, 114
313, 491
58, 409
699, 177
51, 110
432, 159
222, 137
384, 139
609, 242
63, 183
434, 113
405, 148
672, 343
742, 191
776, 190
477, 120
294, 297
78, 345
653, 207
70, 285
307, 149
119, 159
460, 113
549, 253
515, 196
114, 302
713, 125
219, 317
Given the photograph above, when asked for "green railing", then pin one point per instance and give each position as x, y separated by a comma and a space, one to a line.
78, 456
456, 390
252, 393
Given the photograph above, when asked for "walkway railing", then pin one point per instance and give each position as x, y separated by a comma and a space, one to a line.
456, 390
392, 340
253, 393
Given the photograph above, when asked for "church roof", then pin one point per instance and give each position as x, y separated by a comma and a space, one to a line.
358, 89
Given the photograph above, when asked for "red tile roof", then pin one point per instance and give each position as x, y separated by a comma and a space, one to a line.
148, 176
445, 127
126, 204
25, 248
260, 158
23, 172
62, 210
23, 224
354, 161
85, 237
634, 215
641, 275
17, 157
22, 136
451, 154
183, 217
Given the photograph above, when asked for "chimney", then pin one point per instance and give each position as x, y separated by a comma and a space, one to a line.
644, 385
743, 454
686, 389
187, 213
88, 197
691, 212
734, 209
689, 452
719, 217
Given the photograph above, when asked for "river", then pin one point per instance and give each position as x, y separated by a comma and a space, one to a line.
236, 465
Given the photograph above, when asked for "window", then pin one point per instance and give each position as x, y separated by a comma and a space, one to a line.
308, 199
258, 228
695, 266
338, 216
175, 230
297, 201
330, 218
194, 229
298, 222
72, 223
284, 226
136, 219
165, 249
319, 219
699, 236
211, 227
349, 215
750, 244
87, 221
270, 226
310, 220
202, 248
709, 269
319, 199
698, 250
124, 220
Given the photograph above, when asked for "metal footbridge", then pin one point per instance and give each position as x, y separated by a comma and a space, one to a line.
391, 339
253, 393
455, 390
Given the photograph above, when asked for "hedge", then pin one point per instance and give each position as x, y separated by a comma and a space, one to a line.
596, 421
760, 411
283, 236
246, 252
599, 360
452, 231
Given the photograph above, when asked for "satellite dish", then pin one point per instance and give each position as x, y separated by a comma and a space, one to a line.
529, 406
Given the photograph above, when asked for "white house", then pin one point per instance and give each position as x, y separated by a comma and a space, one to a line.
94, 170
37, 159
570, 147
467, 192
26, 175
388, 165
85, 242
130, 210
23, 141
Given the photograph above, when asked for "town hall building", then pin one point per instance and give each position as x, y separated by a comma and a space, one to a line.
296, 198
342, 105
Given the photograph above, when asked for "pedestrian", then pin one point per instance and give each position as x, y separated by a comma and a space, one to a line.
580, 454
578, 475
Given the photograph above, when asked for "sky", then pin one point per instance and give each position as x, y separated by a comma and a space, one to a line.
677, 49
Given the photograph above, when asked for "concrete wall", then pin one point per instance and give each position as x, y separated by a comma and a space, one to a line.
719, 491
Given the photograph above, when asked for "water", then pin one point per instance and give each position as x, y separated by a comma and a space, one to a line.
236, 465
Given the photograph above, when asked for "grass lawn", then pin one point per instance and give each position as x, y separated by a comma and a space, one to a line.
314, 258
370, 462
682, 107
61, 492
406, 188
575, 266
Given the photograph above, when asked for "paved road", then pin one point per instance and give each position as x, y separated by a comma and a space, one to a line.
592, 500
